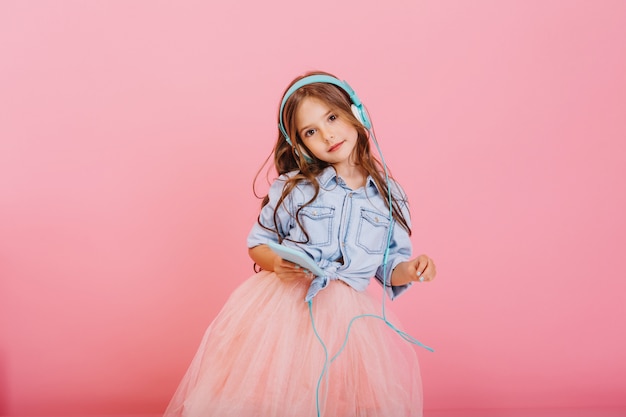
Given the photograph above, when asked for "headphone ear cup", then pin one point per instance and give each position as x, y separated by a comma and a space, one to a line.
361, 115
306, 156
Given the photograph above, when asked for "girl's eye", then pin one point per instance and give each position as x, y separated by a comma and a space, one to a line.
309, 133
332, 117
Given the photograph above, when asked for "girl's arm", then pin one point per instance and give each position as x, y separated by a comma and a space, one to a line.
264, 257
420, 269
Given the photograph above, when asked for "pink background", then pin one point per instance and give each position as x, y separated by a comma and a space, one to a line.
130, 133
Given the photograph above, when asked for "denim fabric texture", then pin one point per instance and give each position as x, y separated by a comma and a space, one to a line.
347, 230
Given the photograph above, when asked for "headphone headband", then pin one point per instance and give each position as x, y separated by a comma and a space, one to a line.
357, 106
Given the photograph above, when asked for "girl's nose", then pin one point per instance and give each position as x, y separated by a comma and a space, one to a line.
327, 136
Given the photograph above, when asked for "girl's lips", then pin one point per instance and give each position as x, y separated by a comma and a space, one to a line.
335, 147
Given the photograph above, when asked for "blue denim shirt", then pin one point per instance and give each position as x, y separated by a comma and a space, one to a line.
347, 230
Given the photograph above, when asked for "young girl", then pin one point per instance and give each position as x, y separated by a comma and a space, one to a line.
292, 343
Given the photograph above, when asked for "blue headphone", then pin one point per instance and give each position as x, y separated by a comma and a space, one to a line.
357, 107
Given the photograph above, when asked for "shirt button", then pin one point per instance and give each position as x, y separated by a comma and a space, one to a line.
315, 212
376, 219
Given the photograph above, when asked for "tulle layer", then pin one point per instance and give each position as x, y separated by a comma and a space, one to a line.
261, 357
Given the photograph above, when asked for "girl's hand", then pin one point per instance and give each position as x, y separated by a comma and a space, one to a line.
422, 269
288, 271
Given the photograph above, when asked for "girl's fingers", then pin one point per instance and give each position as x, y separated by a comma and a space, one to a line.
290, 271
425, 269
420, 267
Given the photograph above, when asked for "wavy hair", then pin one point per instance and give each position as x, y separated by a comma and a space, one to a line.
305, 166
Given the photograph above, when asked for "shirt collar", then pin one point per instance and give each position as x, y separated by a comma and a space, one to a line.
328, 177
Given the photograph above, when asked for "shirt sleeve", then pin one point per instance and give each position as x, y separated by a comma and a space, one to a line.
260, 235
400, 249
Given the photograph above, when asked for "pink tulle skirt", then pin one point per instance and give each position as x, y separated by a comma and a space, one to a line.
261, 357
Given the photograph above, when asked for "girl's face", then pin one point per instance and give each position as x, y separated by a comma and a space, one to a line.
328, 136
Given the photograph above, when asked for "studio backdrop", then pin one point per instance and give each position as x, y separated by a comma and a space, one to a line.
131, 133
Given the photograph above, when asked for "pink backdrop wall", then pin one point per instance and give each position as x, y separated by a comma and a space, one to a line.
130, 133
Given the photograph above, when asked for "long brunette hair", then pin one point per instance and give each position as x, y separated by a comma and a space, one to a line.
305, 167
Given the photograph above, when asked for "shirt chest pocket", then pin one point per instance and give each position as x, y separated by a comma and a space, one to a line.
318, 223
372, 231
